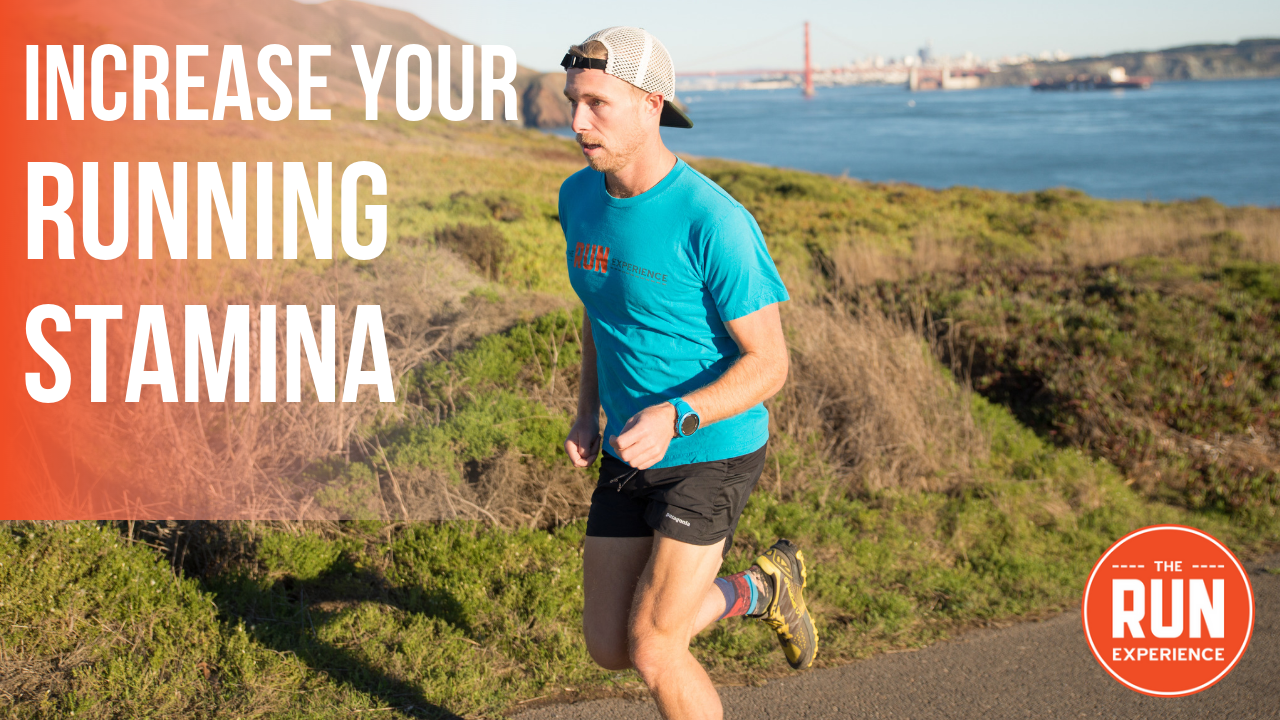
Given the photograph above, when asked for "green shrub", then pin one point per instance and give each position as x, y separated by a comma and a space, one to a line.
483, 245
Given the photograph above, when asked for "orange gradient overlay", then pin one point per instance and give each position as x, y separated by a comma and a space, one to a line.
107, 436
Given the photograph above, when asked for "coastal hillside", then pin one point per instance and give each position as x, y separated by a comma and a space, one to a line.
1254, 58
987, 389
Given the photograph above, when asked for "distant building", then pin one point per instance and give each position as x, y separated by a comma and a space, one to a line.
934, 79
926, 52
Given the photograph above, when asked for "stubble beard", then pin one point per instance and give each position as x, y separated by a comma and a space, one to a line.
617, 154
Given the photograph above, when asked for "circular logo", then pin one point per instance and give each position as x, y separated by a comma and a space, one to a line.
1168, 610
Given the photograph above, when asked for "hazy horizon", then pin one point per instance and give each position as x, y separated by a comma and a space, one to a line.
729, 36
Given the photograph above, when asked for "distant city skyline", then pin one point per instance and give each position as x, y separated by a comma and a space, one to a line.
749, 34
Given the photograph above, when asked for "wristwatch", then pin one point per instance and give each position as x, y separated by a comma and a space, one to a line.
687, 420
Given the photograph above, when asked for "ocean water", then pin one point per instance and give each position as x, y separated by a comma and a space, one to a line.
1177, 140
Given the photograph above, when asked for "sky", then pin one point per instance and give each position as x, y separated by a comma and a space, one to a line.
720, 35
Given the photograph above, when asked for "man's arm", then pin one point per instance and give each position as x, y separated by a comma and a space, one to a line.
758, 374
584, 437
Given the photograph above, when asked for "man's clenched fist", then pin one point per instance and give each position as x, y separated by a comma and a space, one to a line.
646, 435
583, 442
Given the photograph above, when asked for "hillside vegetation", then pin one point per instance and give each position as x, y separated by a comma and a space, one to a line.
1251, 58
987, 390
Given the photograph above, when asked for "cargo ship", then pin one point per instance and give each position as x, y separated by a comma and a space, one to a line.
1116, 79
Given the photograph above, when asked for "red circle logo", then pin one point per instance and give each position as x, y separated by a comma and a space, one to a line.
1168, 610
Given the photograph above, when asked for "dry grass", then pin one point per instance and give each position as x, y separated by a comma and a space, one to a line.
1191, 232
866, 393
1193, 237
505, 491
861, 260
252, 460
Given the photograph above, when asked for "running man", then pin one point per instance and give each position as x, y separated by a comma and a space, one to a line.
681, 343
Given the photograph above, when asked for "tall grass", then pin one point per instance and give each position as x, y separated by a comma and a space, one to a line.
867, 403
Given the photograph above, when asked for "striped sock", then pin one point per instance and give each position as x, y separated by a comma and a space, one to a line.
745, 593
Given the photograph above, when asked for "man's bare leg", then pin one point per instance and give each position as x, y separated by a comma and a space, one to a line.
670, 600
611, 569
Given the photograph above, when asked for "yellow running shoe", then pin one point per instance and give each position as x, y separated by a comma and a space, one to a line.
786, 613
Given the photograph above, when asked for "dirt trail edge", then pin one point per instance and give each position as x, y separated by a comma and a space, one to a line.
1033, 670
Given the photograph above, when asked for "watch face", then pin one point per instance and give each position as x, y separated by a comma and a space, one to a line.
689, 423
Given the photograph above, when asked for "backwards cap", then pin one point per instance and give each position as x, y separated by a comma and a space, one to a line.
638, 58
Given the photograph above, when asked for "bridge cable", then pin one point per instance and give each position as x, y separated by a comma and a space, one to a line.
720, 55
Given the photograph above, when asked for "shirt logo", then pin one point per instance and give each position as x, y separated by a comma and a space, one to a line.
592, 257
640, 272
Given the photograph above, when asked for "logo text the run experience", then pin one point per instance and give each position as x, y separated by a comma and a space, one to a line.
592, 257
596, 257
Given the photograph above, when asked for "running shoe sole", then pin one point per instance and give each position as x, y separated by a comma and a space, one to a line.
787, 613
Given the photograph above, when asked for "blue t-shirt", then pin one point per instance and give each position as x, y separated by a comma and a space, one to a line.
659, 274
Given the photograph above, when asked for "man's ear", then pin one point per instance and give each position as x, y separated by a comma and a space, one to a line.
653, 103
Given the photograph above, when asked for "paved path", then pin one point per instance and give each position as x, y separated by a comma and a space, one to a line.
1033, 670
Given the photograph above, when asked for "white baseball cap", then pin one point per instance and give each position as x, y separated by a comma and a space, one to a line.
638, 58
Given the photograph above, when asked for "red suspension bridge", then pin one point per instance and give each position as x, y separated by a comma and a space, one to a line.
922, 72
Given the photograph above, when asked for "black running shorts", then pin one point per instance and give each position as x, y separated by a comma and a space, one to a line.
698, 503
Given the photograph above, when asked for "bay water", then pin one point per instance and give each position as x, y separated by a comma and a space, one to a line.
1178, 140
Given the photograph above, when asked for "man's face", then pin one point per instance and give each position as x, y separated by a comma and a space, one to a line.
612, 118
